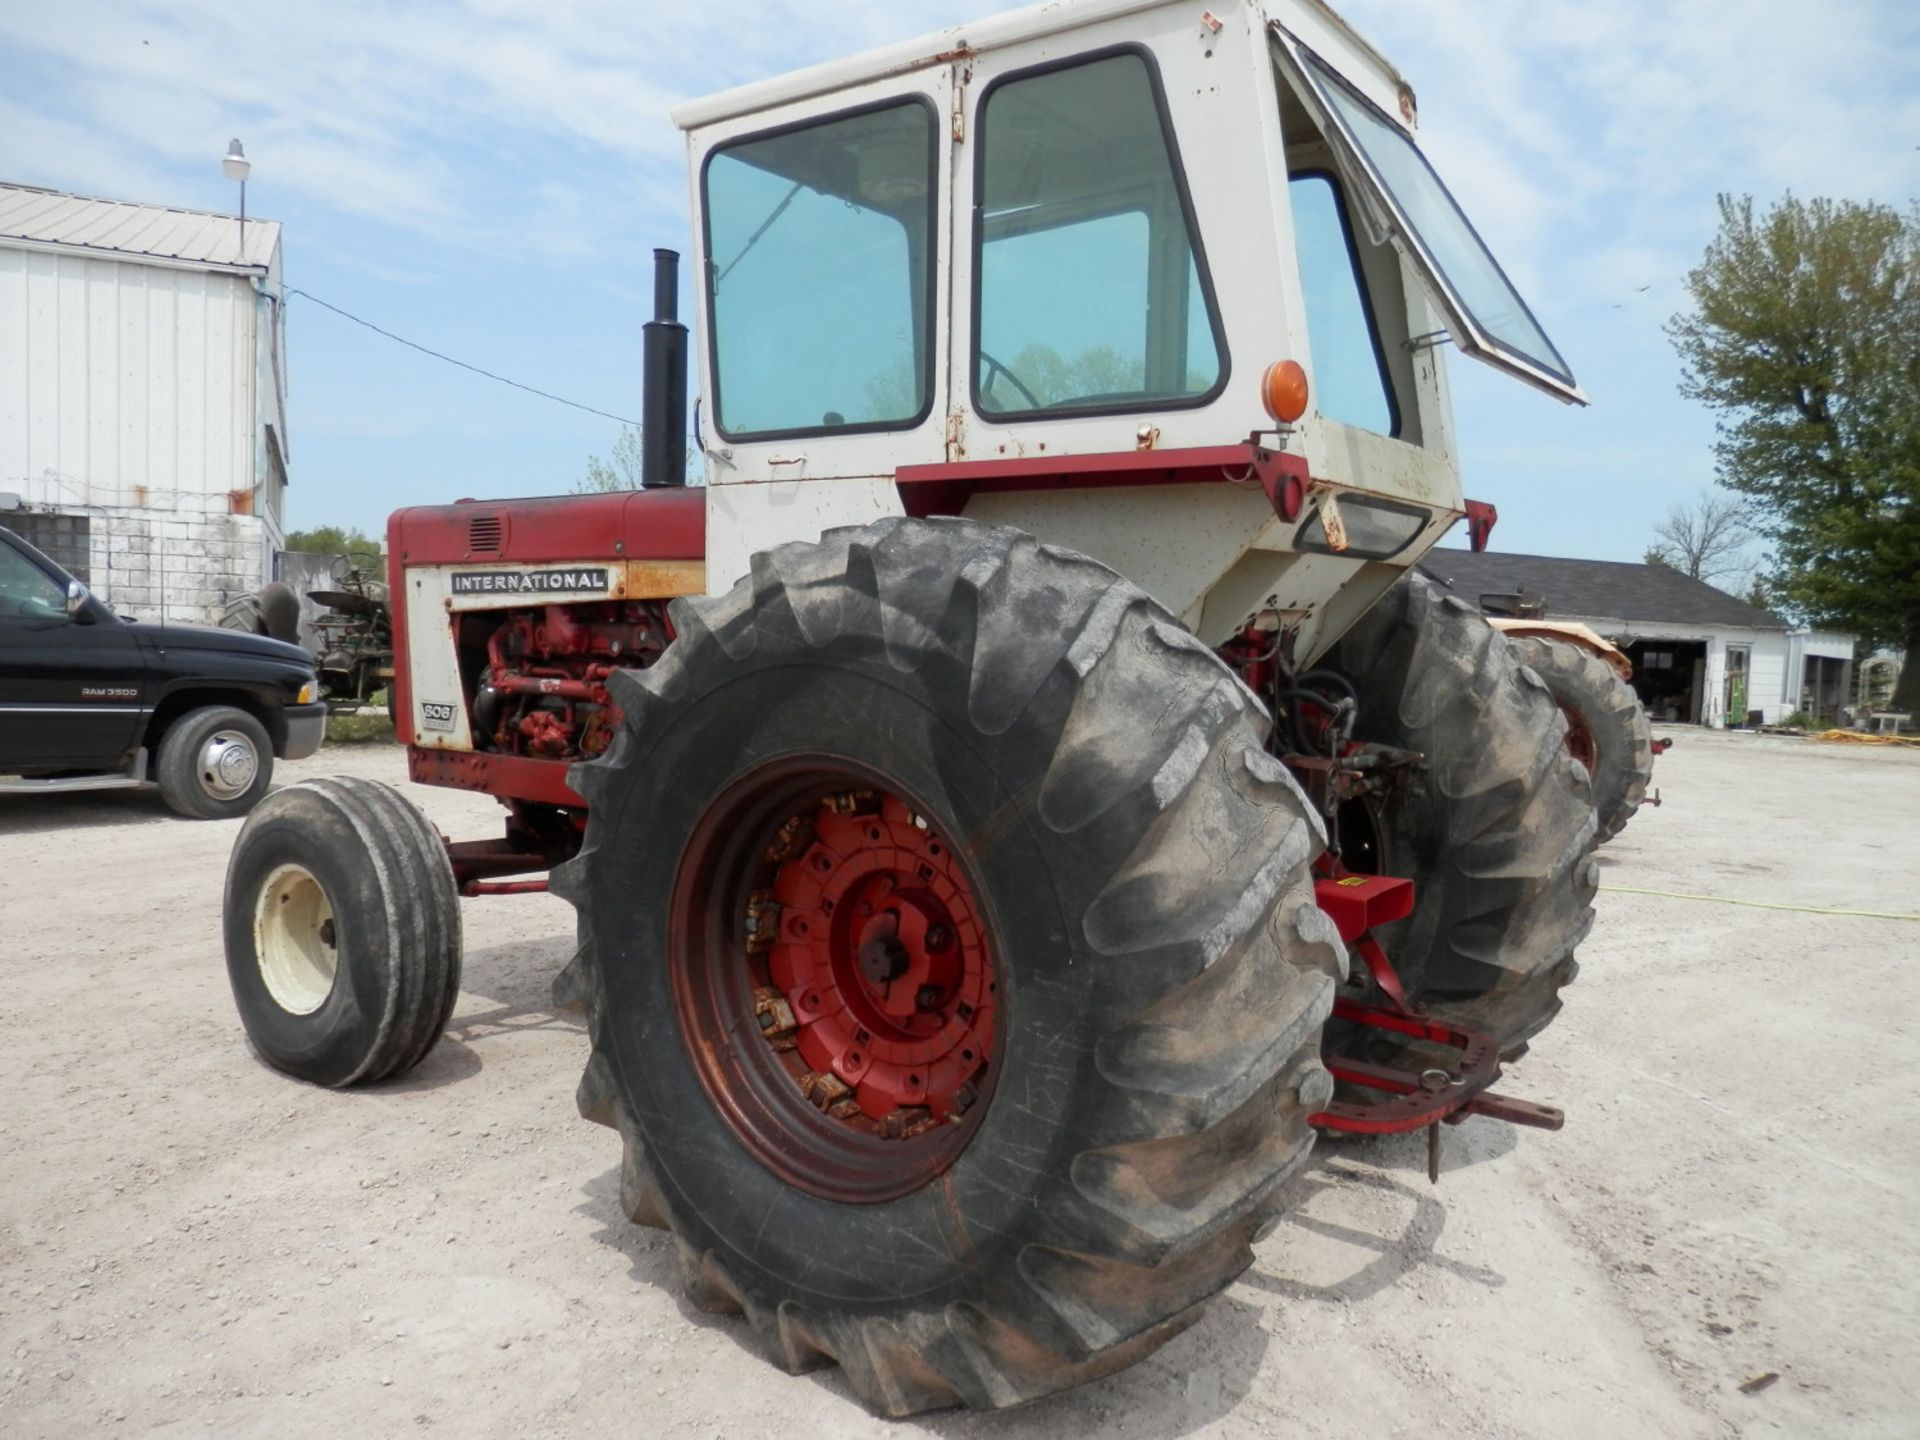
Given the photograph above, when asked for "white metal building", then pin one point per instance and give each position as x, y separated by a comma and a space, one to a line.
1700, 655
143, 436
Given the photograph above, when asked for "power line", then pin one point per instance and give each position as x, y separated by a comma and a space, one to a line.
424, 350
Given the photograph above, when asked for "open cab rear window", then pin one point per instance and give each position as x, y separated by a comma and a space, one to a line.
1405, 195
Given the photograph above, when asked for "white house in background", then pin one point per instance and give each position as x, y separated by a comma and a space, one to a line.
143, 432
1700, 655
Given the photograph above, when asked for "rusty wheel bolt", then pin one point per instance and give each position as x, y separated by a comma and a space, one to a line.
938, 937
928, 997
327, 932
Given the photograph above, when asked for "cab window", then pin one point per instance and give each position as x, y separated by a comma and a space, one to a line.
26, 590
819, 275
1351, 383
1090, 289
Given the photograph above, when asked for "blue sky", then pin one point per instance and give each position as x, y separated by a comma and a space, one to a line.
489, 178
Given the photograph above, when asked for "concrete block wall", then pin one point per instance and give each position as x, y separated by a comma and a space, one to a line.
174, 565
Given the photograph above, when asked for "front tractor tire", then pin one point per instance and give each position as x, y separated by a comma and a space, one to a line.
1607, 729
950, 962
342, 932
1497, 830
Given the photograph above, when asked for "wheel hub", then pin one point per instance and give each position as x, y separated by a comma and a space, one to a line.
227, 764
828, 914
881, 956
295, 942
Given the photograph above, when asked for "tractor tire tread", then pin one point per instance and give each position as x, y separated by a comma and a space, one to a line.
1622, 736
1506, 881
1224, 969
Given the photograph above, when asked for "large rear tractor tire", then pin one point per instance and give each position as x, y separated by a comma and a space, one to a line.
1607, 729
342, 932
950, 961
1497, 830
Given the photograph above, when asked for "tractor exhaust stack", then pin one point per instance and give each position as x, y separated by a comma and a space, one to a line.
663, 384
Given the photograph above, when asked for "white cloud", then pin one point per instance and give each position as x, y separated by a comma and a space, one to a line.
429, 116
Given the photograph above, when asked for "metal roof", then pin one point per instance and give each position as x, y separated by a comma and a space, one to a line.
1597, 590
122, 228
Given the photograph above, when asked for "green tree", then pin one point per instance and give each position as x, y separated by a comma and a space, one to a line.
332, 540
619, 471
1805, 336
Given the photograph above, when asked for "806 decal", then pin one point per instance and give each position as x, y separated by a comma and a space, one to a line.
436, 715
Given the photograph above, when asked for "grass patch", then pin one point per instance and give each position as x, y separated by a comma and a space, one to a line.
359, 730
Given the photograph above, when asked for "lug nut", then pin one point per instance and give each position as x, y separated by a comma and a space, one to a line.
928, 997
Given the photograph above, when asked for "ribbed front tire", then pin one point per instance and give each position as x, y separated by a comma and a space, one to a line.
1141, 864
342, 930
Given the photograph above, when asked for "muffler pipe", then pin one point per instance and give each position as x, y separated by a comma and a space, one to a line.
663, 384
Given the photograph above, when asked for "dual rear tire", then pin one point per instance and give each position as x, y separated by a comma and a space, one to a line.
1497, 830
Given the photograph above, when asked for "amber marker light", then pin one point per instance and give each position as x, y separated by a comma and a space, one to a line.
1284, 390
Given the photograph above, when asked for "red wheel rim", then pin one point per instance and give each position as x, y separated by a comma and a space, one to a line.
1580, 742
835, 979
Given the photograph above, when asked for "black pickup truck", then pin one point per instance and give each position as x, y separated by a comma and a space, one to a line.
92, 702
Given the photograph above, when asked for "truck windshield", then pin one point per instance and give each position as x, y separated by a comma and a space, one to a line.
1437, 237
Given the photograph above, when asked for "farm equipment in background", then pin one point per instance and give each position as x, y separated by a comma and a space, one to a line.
355, 629
1023, 797
352, 626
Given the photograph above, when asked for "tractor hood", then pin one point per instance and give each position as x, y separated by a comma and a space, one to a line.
1403, 200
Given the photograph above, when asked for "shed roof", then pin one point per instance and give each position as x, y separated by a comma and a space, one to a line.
1597, 589
123, 228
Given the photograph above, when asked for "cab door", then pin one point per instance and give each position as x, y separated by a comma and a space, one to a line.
71, 692
1084, 307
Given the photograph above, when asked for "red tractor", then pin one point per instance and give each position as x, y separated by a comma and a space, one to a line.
1023, 797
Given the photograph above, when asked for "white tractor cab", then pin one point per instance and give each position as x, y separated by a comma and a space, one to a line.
1075, 239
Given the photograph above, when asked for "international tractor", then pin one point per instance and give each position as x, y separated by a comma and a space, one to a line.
1023, 797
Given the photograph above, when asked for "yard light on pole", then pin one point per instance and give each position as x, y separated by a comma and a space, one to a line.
236, 165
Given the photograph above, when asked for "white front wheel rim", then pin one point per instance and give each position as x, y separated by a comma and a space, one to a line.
295, 940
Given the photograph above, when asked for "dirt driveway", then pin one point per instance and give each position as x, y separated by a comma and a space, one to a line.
193, 1245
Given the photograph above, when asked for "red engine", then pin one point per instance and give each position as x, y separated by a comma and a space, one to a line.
543, 692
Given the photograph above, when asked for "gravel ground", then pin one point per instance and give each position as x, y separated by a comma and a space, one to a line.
191, 1244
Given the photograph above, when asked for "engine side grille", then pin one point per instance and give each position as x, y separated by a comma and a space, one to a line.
484, 534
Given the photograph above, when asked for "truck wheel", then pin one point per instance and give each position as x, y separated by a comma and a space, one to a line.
1496, 833
1607, 729
342, 932
950, 961
215, 762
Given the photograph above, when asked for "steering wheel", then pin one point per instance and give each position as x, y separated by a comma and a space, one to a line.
994, 367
